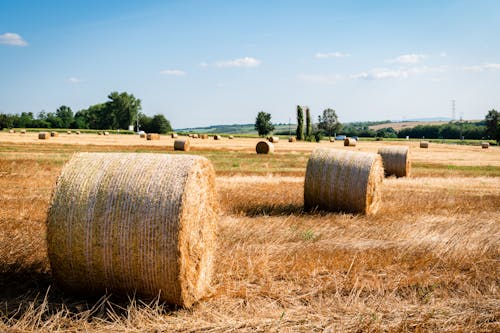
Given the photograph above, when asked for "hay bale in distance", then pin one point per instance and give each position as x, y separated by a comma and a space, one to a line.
181, 144
340, 180
424, 144
106, 133
12, 131
195, 136
23, 131
53, 134
332, 139
485, 145
350, 142
274, 139
204, 136
77, 132
264, 147
99, 133
68, 132
153, 136
134, 223
43, 135
231, 137
217, 137
174, 135
396, 160
142, 135
292, 139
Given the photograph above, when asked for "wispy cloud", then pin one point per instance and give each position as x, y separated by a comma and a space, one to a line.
399, 73
480, 68
74, 80
10, 38
173, 72
409, 58
320, 78
241, 62
321, 55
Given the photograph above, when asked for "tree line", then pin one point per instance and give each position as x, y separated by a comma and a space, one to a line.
120, 111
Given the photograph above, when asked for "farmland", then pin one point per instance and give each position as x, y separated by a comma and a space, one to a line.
428, 260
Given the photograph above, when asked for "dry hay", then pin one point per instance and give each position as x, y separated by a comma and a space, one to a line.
217, 137
346, 181
181, 144
424, 144
153, 136
23, 131
273, 139
485, 145
53, 134
78, 132
106, 133
12, 131
204, 136
68, 132
142, 135
264, 147
195, 136
231, 137
134, 223
396, 160
292, 139
174, 135
43, 136
332, 139
99, 133
350, 142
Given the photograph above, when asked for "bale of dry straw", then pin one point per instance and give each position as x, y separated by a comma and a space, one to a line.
134, 223
195, 136
274, 139
153, 136
182, 144
424, 144
217, 137
332, 139
485, 145
339, 180
396, 160
68, 132
52, 134
350, 142
264, 147
23, 131
231, 137
292, 139
43, 136
78, 132
12, 131
142, 135
204, 136
174, 135
106, 133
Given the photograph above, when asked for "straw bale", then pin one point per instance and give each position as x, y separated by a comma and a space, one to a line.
153, 136
134, 224
106, 133
68, 132
52, 134
12, 131
23, 131
204, 136
142, 135
217, 137
396, 160
485, 145
174, 135
231, 137
332, 139
350, 142
43, 135
182, 144
340, 180
424, 144
292, 139
274, 139
264, 147
78, 132
99, 133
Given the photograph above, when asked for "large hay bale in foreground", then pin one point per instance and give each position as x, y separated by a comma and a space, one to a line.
274, 139
350, 142
485, 145
134, 223
264, 147
181, 144
153, 136
424, 144
43, 136
396, 160
347, 181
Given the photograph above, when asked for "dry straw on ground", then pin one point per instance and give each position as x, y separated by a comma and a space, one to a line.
153, 136
174, 135
134, 223
396, 160
350, 142
274, 139
340, 180
182, 144
485, 145
264, 147
43, 135
424, 144
292, 139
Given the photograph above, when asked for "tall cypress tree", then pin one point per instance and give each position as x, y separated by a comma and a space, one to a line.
308, 124
300, 123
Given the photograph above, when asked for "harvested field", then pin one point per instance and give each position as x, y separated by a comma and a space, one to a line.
427, 261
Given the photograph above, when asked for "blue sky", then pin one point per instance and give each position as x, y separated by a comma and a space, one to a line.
221, 62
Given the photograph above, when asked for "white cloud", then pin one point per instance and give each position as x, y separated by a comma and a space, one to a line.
320, 78
203, 64
173, 72
480, 68
320, 55
400, 73
74, 80
409, 58
443, 54
10, 38
491, 66
241, 62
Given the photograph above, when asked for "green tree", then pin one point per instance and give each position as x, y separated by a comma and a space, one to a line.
493, 124
122, 109
300, 123
308, 124
263, 123
6, 121
160, 124
65, 114
329, 122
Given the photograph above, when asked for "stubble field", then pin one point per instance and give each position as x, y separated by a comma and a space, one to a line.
428, 261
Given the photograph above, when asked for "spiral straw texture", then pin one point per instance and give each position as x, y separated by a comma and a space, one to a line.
43, 135
396, 160
340, 180
182, 144
134, 223
350, 142
264, 147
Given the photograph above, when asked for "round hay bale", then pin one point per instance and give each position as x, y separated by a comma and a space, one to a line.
396, 160
99, 133
264, 147
485, 145
182, 144
231, 137
424, 144
43, 136
53, 134
350, 142
153, 136
204, 136
195, 136
142, 135
77, 132
174, 135
340, 180
23, 131
274, 139
292, 139
217, 137
332, 139
106, 133
12, 131
68, 132
134, 223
